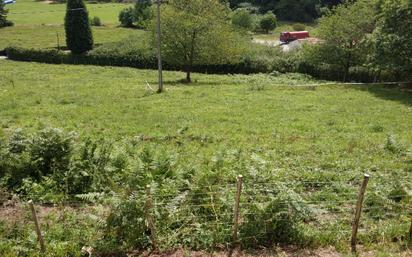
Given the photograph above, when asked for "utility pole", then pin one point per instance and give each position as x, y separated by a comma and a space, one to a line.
159, 49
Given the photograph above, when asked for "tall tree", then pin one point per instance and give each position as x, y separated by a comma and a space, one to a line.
268, 22
393, 38
3, 14
344, 32
198, 32
79, 37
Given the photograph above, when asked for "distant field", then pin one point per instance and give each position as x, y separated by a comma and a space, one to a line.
30, 12
38, 23
46, 36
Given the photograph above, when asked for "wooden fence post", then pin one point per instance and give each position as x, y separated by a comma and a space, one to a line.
358, 212
37, 226
410, 231
237, 209
149, 216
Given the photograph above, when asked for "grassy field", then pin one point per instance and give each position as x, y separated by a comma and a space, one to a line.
270, 129
46, 36
37, 24
30, 12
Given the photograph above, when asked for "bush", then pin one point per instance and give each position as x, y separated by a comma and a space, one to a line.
3, 16
126, 17
96, 21
49, 165
126, 225
299, 27
138, 16
277, 221
268, 22
79, 38
242, 19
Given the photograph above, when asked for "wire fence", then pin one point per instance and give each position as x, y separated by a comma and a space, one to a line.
236, 208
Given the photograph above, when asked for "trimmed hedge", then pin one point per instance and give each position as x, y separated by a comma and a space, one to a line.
52, 56
247, 65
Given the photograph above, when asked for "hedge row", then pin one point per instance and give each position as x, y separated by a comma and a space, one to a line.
53, 56
247, 65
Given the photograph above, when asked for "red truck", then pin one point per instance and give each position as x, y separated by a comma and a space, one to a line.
286, 37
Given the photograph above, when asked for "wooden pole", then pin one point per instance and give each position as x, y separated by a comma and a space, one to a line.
358, 212
58, 41
149, 216
159, 49
410, 231
237, 205
37, 226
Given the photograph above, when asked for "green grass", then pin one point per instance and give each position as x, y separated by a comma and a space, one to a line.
112, 101
30, 12
37, 24
46, 36
270, 129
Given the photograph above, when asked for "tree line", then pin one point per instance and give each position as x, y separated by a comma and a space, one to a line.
288, 10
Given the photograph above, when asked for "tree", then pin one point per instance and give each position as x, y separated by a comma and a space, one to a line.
345, 32
79, 37
241, 18
126, 17
197, 32
393, 38
3, 15
143, 13
138, 16
268, 22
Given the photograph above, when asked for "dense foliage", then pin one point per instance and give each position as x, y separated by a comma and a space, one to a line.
344, 35
373, 36
198, 33
79, 37
392, 39
241, 18
3, 16
291, 10
138, 16
268, 22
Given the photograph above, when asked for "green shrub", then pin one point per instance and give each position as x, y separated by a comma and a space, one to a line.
126, 17
276, 221
79, 37
268, 22
298, 27
137, 16
126, 225
3, 15
241, 18
51, 150
96, 21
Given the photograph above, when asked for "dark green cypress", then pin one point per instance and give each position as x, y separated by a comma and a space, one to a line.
79, 37
3, 14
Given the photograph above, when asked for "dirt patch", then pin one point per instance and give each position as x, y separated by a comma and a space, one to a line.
324, 252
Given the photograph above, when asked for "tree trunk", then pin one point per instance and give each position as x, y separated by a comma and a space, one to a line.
188, 78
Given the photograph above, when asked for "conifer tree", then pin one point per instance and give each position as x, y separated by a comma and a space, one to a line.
79, 37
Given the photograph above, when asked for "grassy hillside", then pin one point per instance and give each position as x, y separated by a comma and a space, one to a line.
313, 143
30, 12
37, 24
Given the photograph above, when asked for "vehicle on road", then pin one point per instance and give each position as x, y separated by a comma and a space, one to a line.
287, 37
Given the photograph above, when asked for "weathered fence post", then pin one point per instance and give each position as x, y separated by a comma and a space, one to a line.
149, 216
37, 226
358, 212
237, 209
410, 231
